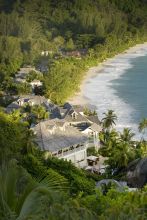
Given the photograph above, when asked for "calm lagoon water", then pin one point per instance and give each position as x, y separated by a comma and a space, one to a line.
122, 87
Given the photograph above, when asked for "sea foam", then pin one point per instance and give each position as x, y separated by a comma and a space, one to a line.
100, 92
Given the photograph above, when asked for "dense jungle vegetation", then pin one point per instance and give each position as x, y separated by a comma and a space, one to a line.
102, 28
31, 187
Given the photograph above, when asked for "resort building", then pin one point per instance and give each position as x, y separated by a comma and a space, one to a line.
92, 132
57, 138
68, 134
72, 114
22, 74
31, 100
24, 71
36, 83
46, 52
87, 125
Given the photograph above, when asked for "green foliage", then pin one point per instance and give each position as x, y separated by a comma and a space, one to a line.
63, 79
76, 177
89, 112
33, 75
118, 205
22, 89
141, 148
70, 45
58, 184
109, 119
13, 135
143, 126
27, 29
39, 112
118, 148
33, 114
92, 151
25, 198
127, 135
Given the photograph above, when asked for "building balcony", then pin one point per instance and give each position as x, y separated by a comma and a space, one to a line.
70, 151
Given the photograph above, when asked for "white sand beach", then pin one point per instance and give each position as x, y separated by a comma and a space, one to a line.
79, 98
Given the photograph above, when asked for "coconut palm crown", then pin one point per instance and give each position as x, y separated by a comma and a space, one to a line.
109, 119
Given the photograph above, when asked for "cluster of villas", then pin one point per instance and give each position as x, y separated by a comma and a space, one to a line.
68, 131
24, 72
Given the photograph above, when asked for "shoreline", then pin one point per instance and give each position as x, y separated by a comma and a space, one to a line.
79, 97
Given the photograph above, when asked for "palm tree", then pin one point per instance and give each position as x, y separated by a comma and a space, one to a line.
29, 143
109, 119
143, 148
120, 155
40, 112
22, 196
106, 136
16, 115
108, 139
142, 126
127, 135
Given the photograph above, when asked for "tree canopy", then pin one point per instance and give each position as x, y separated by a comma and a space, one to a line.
29, 27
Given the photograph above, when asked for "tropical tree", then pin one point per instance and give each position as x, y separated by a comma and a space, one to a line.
127, 135
117, 148
45, 197
39, 112
29, 146
16, 115
108, 137
143, 126
23, 88
120, 156
89, 112
12, 134
22, 197
118, 204
109, 119
141, 148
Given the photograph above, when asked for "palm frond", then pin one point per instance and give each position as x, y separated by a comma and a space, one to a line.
53, 180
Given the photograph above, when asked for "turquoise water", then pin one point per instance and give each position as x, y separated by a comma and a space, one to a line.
121, 86
131, 87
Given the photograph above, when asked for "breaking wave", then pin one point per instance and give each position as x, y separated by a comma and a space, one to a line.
100, 92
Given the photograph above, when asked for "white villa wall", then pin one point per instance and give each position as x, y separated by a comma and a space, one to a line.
33, 84
87, 131
20, 102
94, 139
79, 158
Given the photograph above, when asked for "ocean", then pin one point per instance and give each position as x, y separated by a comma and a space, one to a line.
121, 85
